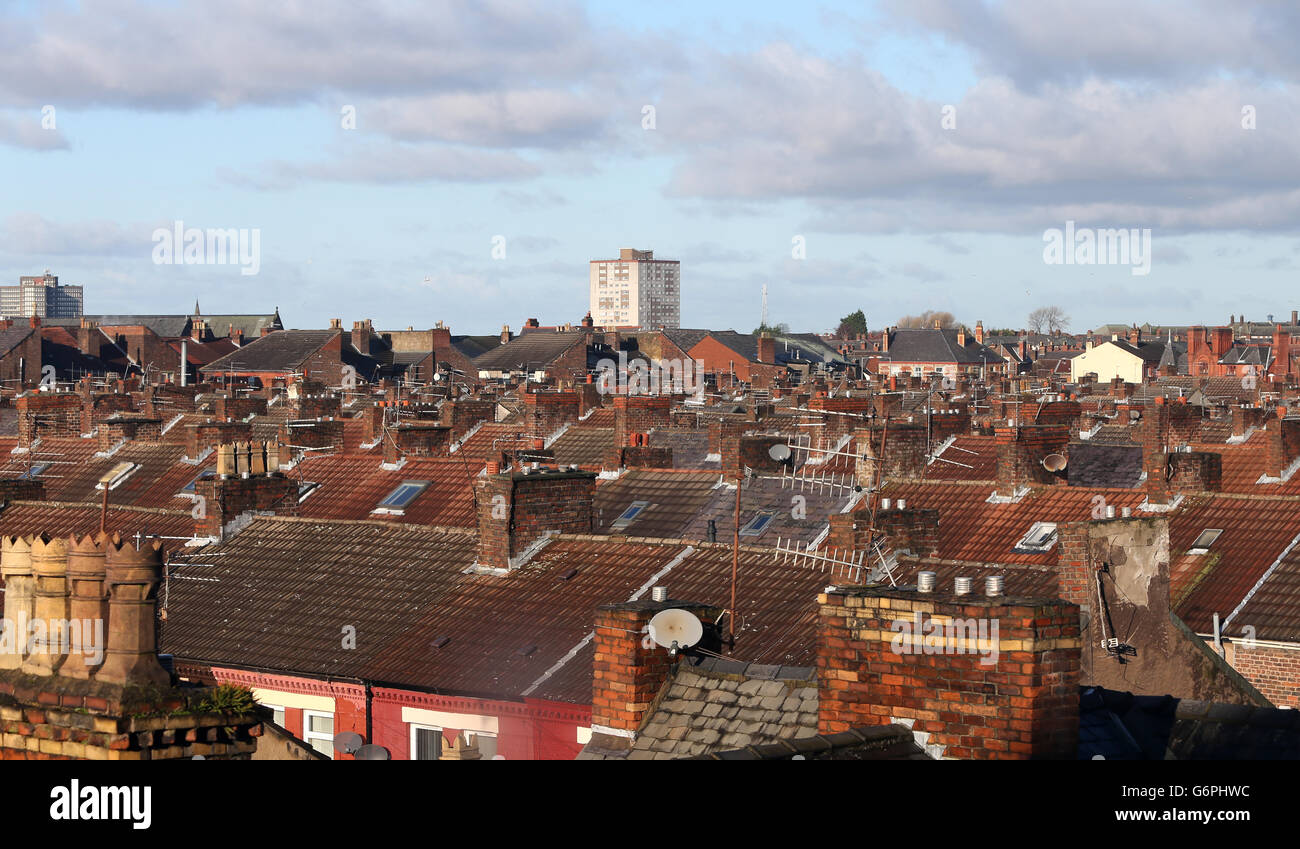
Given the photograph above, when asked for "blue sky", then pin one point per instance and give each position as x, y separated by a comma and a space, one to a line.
773, 120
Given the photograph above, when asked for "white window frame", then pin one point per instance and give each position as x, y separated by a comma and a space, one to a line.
308, 735
417, 727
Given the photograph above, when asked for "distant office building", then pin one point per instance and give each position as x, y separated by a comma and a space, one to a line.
42, 296
636, 290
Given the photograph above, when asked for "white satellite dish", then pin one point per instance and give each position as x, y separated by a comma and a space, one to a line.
676, 629
779, 452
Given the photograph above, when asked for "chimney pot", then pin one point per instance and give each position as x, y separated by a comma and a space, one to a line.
961, 586
925, 582
993, 585
659, 594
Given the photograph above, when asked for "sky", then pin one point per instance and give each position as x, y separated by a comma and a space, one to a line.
463, 161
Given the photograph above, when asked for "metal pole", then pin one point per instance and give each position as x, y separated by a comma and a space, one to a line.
735, 564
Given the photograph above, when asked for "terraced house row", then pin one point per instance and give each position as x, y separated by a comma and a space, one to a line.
452, 547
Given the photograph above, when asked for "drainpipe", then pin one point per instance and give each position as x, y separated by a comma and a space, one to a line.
185, 363
1218, 636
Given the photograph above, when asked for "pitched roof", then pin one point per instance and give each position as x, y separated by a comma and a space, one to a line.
1104, 465
530, 351
12, 337
710, 705
921, 345
284, 350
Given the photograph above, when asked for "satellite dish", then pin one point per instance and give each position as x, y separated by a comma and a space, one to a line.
348, 742
1054, 462
779, 452
371, 752
675, 629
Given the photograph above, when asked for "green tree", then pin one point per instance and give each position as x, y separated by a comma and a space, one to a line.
852, 324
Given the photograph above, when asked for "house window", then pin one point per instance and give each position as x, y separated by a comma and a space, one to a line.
629, 515
1203, 541
397, 500
318, 731
756, 525
204, 475
1041, 537
36, 469
277, 714
426, 743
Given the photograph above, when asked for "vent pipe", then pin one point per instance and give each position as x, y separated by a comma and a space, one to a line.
993, 585
961, 586
659, 594
925, 582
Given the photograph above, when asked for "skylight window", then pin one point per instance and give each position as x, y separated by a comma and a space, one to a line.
397, 501
1202, 543
756, 525
1041, 537
36, 469
629, 515
203, 475
116, 476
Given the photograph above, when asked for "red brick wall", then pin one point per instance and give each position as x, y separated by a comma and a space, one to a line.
48, 415
547, 412
200, 437
1026, 705
224, 499
1274, 671
515, 510
462, 415
1021, 451
1195, 471
639, 414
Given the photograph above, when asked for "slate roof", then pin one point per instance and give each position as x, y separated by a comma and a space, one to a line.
584, 446
473, 346
12, 337
675, 498
284, 350
1122, 726
161, 325
1104, 465
685, 338
867, 743
721, 704
1148, 352
529, 352
919, 345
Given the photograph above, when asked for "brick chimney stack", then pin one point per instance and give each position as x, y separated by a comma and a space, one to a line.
361, 331
630, 669
516, 509
248, 479
87, 597
766, 348
20, 591
50, 574
132, 577
1153, 435
979, 333
1019, 656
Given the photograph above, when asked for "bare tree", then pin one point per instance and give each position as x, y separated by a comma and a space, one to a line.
1051, 320
927, 319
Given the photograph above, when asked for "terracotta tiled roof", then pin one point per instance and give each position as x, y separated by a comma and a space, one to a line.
1255, 533
74, 470
352, 485
972, 529
59, 519
977, 452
